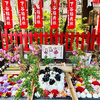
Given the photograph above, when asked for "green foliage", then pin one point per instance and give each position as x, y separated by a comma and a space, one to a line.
47, 61
80, 27
33, 61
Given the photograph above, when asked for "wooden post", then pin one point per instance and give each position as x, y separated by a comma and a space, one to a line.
21, 49
85, 47
71, 88
10, 48
96, 46
32, 89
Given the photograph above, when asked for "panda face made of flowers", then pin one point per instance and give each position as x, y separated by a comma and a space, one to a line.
50, 79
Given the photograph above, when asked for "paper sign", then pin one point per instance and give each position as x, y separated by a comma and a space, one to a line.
52, 51
89, 57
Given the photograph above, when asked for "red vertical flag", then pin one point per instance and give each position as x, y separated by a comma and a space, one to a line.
98, 31
7, 14
96, 1
22, 9
38, 15
54, 20
71, 14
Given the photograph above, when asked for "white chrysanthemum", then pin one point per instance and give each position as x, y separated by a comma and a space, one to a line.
37, 94
23, 79
15, 76
78, 94
99, 95
95, 95
78, 82
86, 91
68, 91
83, 95
58, 95
13, 93
25, 94
50, 95
89, 95
90, 81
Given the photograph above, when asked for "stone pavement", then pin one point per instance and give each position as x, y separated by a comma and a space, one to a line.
12, 98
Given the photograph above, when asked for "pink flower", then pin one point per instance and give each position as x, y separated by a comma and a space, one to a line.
82, 66
77, 56
1, 59
74, 52
94, 63
81, 62
85, 58
77, 68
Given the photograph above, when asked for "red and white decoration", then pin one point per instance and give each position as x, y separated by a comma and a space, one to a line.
71, 14
7, 14
54, 21
38, 15
22, 9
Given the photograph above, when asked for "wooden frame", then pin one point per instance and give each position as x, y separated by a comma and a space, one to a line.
66, 70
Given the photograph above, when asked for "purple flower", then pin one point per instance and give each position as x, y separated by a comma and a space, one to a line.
6, 84
15, 88
5, 90
1, 89
19, 81
5, 78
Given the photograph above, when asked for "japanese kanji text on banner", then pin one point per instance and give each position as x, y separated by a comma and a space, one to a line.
54, 21
22, 9
71, 14
38, 15
7, 13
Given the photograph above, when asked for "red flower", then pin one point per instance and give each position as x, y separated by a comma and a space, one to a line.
26, 90
12, 83
22, 94
79, 89
9, 81
11, 76
8, 94
95, 83
1, 82
15, 74
0, 94
10, 88
46, 93
80, 80
55, 92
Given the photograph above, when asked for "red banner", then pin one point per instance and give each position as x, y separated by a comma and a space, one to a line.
54, 19
38, 15
71, 14
22, 9
7, 14
96, 1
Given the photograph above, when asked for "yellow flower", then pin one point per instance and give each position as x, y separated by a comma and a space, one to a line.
78, 84
9, 76
46, 65
16, 93
4, 95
